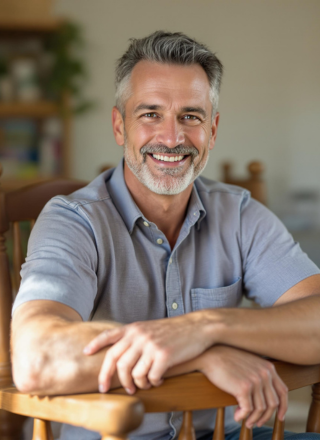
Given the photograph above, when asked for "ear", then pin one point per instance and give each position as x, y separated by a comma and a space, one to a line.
118, 126
214, 130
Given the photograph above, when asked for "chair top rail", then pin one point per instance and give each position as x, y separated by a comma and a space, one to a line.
194, 391
109, 414
26, 203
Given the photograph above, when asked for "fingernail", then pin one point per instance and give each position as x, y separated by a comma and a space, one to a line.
86, 350
130, 390
102, 388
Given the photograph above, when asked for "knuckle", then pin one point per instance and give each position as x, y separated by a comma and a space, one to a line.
138, 375
246, 387
265, 374
122, 364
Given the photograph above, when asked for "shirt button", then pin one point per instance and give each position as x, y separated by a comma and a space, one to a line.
146, 223
195, 213
170, 261
159, 241
174, 306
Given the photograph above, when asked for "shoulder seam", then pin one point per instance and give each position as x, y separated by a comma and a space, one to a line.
77, 203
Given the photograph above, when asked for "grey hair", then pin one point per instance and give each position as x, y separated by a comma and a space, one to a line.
168, 48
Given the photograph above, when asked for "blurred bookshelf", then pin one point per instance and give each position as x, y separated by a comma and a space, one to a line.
35, 125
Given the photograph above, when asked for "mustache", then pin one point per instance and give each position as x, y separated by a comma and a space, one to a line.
181, 150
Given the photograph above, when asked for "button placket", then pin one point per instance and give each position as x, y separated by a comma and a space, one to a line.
174, 299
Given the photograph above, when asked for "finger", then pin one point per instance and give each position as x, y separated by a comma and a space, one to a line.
140, 372
125, 365
159, 366
105, 338
259, 404
272, 401
245, 404
109, 364
282, 393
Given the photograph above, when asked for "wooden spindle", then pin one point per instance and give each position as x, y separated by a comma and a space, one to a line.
187, 431
278, 429
246, 433
42, 430
313, 423
218, 433
17, 255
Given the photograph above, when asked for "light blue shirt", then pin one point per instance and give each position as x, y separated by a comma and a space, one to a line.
95, 252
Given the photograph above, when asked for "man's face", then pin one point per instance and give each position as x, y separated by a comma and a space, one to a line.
168, 128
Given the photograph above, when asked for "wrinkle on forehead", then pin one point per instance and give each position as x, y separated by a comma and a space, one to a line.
170, 83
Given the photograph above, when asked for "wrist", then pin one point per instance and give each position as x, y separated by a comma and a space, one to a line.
213, 326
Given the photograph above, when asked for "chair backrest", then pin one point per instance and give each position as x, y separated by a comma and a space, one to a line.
253, 183
21, 205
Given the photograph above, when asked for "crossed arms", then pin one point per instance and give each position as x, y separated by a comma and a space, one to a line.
49, 338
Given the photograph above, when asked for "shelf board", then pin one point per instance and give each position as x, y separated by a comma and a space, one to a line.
30, 25
8, 184
41, 109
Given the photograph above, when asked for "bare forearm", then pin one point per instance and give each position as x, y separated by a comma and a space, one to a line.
288, 332
48, 357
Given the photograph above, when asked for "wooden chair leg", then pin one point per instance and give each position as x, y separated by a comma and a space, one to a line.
42, 430
278, 429
218, 433
245, 433
313, 423
187, 431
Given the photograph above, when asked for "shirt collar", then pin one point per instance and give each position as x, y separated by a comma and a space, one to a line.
129, 211
122, 198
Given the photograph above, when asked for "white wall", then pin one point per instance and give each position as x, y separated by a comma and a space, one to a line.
270, 99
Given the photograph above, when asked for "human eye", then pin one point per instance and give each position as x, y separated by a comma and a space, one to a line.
191, 118
150, 115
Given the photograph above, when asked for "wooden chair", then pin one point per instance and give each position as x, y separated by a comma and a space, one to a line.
254, 182
116, 414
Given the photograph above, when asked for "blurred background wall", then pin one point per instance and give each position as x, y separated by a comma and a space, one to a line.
270, 98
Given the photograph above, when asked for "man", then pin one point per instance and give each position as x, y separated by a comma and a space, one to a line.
152, 246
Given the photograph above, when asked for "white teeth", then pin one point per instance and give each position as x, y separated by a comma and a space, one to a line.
167, 158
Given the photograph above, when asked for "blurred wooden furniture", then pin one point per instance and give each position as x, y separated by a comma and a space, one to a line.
115, 414
253, 183
19, 21
23, 204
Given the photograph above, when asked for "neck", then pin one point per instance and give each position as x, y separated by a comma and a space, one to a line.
167, 212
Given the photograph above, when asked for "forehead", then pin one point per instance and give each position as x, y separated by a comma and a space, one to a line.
171, 83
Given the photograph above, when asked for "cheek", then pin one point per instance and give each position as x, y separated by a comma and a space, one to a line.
141, 134
199, 137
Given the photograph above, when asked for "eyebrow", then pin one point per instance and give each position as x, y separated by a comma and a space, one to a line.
153, 107
147, 107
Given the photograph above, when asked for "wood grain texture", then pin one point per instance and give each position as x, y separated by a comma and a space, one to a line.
194, 391
313, 423
219, 425
109, 415
42, 430
278, 429
187, 431
245, 433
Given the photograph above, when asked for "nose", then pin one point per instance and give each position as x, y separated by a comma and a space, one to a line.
170, 133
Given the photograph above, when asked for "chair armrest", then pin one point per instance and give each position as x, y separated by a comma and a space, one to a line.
194, 391
109, 415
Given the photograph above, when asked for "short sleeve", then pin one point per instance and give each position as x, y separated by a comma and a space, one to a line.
61, 261
272, 261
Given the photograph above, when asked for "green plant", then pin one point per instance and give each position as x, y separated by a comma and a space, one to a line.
68, 72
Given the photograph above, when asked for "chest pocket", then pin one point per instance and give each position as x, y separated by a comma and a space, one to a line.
229, 296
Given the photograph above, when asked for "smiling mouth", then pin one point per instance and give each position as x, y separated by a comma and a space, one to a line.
165, 158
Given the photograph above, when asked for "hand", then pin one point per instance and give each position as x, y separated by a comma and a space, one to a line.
143, 351
252, 380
